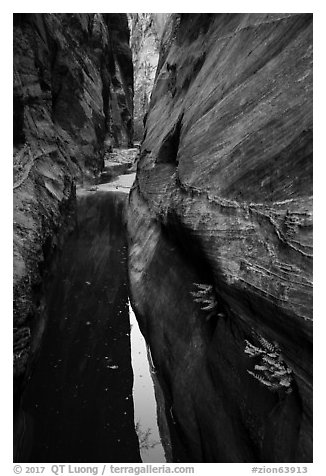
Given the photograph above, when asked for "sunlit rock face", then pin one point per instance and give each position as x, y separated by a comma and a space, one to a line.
145, 33
73, 88
220, 235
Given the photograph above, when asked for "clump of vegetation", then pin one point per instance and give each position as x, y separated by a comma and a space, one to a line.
205, 296
271, 370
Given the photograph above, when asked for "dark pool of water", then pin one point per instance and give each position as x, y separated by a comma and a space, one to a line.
78, 406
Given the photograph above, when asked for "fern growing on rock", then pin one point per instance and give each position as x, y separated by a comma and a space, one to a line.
205, 296
271, 370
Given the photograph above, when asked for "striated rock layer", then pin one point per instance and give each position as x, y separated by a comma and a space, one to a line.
220, 231
73, 92
145, 34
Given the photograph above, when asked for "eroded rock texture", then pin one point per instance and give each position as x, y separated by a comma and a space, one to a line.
220, 227
73, 87
145, 34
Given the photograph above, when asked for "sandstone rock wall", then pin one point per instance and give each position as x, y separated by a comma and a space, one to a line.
220, 231
145, 34
73, 88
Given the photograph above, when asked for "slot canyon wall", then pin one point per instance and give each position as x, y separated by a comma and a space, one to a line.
145, 35
220, 236
73, 100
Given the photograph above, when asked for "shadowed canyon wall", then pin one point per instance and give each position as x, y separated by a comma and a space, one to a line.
145, 34
73, 98
220, 235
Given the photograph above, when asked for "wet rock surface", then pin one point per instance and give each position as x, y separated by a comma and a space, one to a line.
73, 87
223, 200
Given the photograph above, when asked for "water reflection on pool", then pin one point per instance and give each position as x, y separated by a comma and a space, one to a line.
151, 448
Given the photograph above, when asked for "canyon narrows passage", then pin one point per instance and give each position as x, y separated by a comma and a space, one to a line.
78, 404
201, 235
